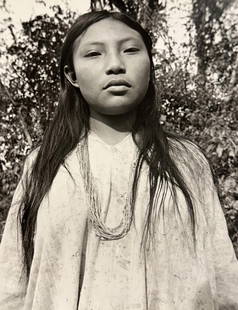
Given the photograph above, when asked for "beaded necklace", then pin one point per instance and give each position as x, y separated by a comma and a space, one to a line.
95, 209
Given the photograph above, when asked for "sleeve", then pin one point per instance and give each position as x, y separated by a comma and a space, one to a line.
13, 281
225, 261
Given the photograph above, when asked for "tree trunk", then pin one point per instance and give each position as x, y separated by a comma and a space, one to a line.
199, 11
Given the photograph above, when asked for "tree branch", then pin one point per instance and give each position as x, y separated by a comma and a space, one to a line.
41, 2
3, 5
232, 88
10, 27
22, 121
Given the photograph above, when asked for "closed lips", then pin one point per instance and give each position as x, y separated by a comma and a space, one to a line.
117, 83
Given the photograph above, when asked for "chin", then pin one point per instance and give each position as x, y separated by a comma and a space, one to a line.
117, 110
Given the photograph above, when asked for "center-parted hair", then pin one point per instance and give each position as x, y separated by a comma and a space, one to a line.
71, 124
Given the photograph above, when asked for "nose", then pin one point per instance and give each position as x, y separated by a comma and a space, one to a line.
115, 64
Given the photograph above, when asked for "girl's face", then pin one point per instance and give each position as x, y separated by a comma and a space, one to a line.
112, 67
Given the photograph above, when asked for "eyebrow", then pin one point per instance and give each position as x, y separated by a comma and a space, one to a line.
119, 41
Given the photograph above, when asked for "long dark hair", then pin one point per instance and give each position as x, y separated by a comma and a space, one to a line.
71, 123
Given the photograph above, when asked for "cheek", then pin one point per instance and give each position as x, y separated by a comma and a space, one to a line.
87, 82
83, 77
146, 67
143, 75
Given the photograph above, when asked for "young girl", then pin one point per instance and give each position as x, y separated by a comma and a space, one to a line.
112, 212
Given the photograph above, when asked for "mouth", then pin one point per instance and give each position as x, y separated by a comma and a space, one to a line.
117, 83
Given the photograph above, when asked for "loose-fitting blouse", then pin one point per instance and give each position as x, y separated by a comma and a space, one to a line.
73, 269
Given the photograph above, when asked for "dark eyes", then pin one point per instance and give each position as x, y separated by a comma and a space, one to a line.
130, 50
92, 54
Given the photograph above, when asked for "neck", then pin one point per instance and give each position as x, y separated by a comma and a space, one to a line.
112, 128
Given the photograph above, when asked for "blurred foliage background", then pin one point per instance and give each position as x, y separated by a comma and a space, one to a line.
198, 86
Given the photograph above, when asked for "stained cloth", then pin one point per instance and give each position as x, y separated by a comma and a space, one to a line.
73, 269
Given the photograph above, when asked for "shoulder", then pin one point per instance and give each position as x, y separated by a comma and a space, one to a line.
36, 154
190, 160
187, 152
31, 157
29, 162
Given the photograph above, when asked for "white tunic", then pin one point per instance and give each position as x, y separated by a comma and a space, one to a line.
73, 269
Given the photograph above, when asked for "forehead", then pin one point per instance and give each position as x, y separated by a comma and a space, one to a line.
106, 31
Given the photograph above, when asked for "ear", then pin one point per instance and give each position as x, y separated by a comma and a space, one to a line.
70, 76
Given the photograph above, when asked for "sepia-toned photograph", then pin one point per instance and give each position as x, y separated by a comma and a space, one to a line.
119, 155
